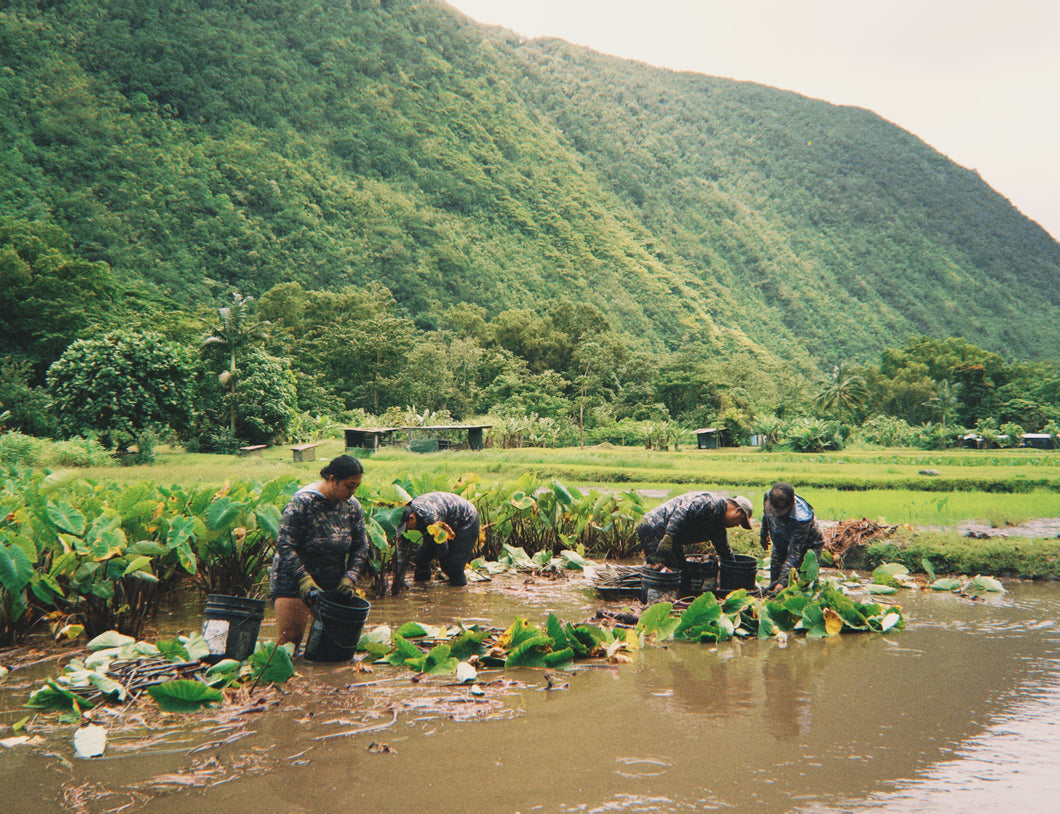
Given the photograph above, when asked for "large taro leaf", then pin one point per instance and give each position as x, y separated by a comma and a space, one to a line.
440, 661
468, 642
221, 513
111, 638
268, 517
376, 642
766, 626
181, 533
560, 659
406, 654
981, 583
271, 663
184, 695
833, 622
583, 646
557, 636
515, 556
66, 518
573, 560
518, 632
52, 696
16, 570
657, 621
810, 568
736, 601
852, 613
780, 614
885, 574
813, 621
530, 652
946, 584
704, 611
591, 637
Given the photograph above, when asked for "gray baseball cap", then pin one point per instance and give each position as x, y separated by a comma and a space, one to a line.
746, 507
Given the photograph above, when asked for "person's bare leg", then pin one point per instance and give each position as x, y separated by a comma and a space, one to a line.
292, 616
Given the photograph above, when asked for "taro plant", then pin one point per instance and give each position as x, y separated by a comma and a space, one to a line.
231, 533
16, 573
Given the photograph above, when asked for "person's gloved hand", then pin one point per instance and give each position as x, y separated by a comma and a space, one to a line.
307, 588
347, 587
664, 554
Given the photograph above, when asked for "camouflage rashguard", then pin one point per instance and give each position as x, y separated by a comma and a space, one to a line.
462, 517
320, 537
793, 534
689, 518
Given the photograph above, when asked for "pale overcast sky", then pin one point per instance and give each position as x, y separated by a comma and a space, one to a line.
978, 81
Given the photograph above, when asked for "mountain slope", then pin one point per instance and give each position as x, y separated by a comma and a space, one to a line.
201, 145
829, 224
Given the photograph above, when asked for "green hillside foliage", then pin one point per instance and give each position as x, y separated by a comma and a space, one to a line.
805, 223
418, 211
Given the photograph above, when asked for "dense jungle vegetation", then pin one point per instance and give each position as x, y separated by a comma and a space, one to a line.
237, 221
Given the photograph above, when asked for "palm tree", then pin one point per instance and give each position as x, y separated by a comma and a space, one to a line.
233, 334
945, 401
844, 396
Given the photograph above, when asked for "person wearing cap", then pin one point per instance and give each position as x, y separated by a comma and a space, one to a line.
448, 525
693, 517
789, 521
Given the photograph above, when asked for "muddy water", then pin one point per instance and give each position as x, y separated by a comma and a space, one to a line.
962, 709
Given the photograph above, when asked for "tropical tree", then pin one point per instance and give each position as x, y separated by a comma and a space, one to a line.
945, 402
234, 334
844, 395
268, 398
121, 385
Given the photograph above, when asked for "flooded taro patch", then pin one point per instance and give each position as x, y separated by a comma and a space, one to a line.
859, 720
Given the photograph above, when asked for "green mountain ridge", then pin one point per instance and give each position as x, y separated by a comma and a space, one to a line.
200, 146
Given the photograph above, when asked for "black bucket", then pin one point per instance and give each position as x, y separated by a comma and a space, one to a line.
230, 626
336, 628
739, 572
657, 586
699, 574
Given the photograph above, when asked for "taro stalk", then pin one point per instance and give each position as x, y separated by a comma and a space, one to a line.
382, 515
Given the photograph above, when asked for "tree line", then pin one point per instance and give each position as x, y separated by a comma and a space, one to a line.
86, 356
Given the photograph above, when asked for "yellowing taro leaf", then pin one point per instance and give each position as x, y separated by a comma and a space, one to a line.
833, 622
441, 532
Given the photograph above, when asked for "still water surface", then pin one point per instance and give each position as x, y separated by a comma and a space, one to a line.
959, 711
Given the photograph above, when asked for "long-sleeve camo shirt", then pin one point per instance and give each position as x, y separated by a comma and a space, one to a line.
445, 507
793, 534
690, 518
321, 537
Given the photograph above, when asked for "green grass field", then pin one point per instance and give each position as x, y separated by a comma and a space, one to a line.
1000, 487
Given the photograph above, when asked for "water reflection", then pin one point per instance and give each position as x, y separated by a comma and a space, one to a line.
960, 710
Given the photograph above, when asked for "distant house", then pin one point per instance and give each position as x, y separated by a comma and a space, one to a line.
711, 437
1039, 440
429, 438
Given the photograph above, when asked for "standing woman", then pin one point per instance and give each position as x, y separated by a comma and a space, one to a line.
321, 546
